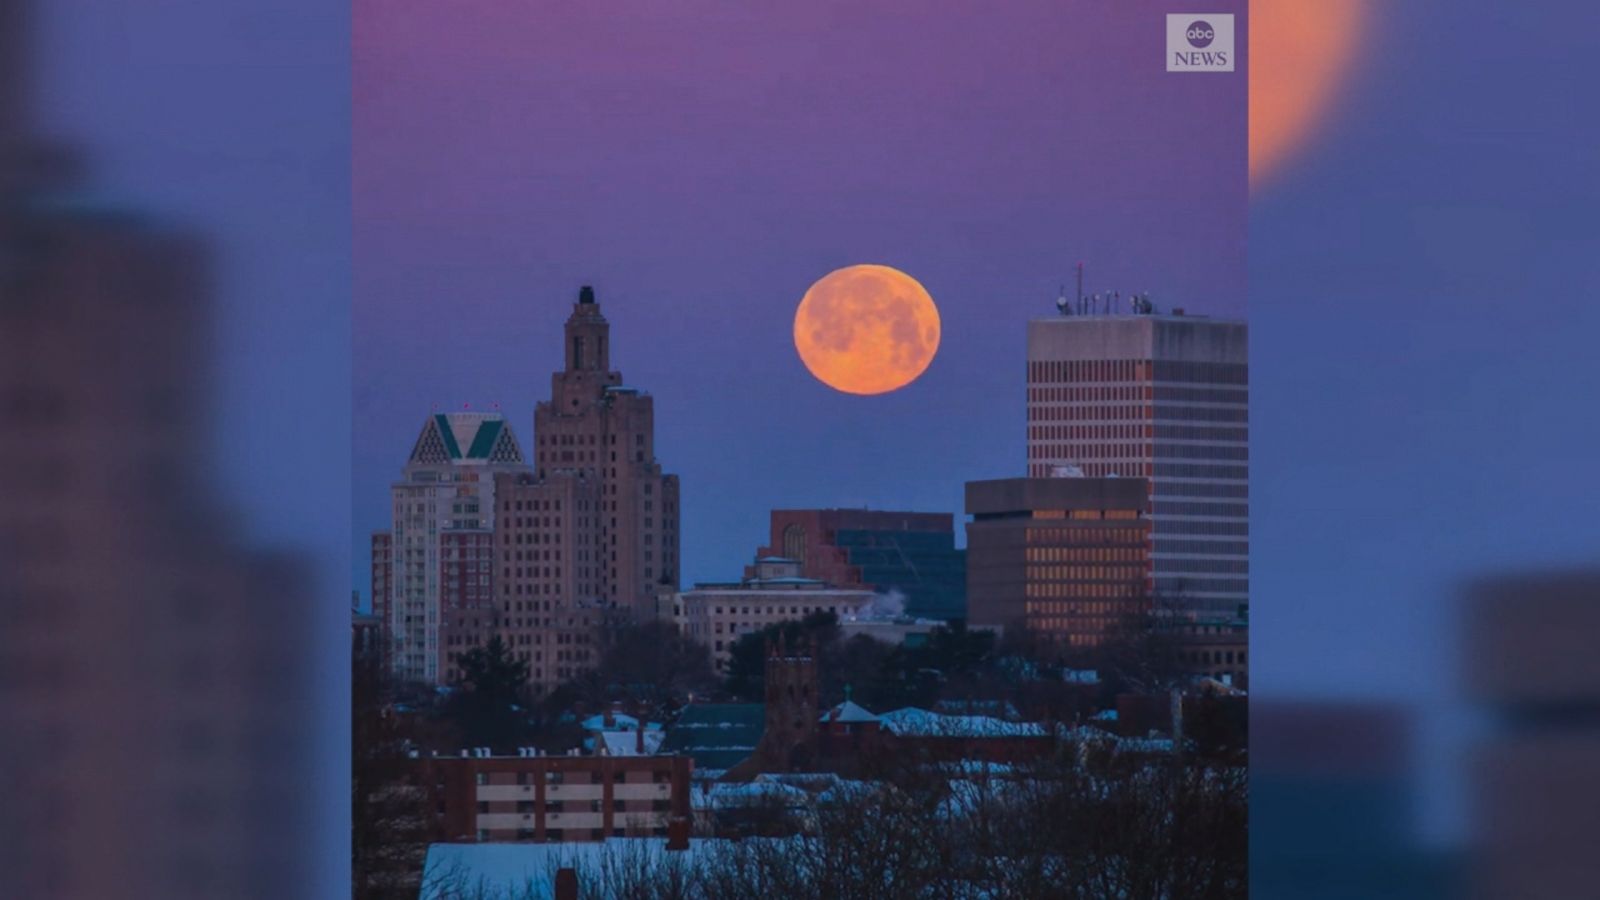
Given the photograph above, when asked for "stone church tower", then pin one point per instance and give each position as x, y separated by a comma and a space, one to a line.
789, 741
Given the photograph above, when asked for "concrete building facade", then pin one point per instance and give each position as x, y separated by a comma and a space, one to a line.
1163, 398
1067, 557
440, 575
717, 615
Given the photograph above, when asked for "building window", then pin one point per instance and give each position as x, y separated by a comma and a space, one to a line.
794, 543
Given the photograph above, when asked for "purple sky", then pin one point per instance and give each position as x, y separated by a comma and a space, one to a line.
703, 166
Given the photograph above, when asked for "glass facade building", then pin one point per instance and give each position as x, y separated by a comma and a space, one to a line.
911, 554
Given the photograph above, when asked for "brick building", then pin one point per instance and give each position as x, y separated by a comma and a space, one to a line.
547, 583
555, 798
910, 552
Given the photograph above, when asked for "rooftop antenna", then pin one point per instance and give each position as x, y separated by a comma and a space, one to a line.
1061, 302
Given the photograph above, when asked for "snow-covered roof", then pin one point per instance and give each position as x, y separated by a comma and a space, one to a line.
725, 795
1144, 745
619, 721
626, 743
526, 869
922, 723
848, 711
717, 735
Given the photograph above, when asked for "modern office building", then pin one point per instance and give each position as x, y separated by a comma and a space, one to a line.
1067, 557
1162, 398
437, 594
717, 615
912, 553
594, 428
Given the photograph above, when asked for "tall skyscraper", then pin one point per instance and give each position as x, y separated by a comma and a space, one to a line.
1165, 398
597, 429
438, 591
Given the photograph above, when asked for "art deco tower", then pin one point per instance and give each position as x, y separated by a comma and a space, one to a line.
623, 550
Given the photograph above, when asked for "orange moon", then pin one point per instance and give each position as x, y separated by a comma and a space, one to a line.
866, 329
1301, 54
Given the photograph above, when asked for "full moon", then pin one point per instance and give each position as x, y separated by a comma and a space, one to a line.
1301, 56
866, 329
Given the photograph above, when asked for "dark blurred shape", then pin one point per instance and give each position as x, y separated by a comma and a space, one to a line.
1531, 664
150, 734
1331, 808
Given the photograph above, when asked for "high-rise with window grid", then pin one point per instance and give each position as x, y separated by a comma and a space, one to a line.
1161, 397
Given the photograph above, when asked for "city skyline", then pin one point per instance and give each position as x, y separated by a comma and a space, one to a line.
703, 205
362, 572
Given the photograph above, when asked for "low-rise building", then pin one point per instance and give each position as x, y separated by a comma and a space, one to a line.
718, 614
555, 798
1214, 646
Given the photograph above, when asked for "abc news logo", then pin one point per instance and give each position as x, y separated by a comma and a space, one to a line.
1200, 42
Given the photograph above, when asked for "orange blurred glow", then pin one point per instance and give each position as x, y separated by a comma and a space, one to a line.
1301, 53
866, 329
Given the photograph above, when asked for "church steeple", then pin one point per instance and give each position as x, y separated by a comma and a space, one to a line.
588, 334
